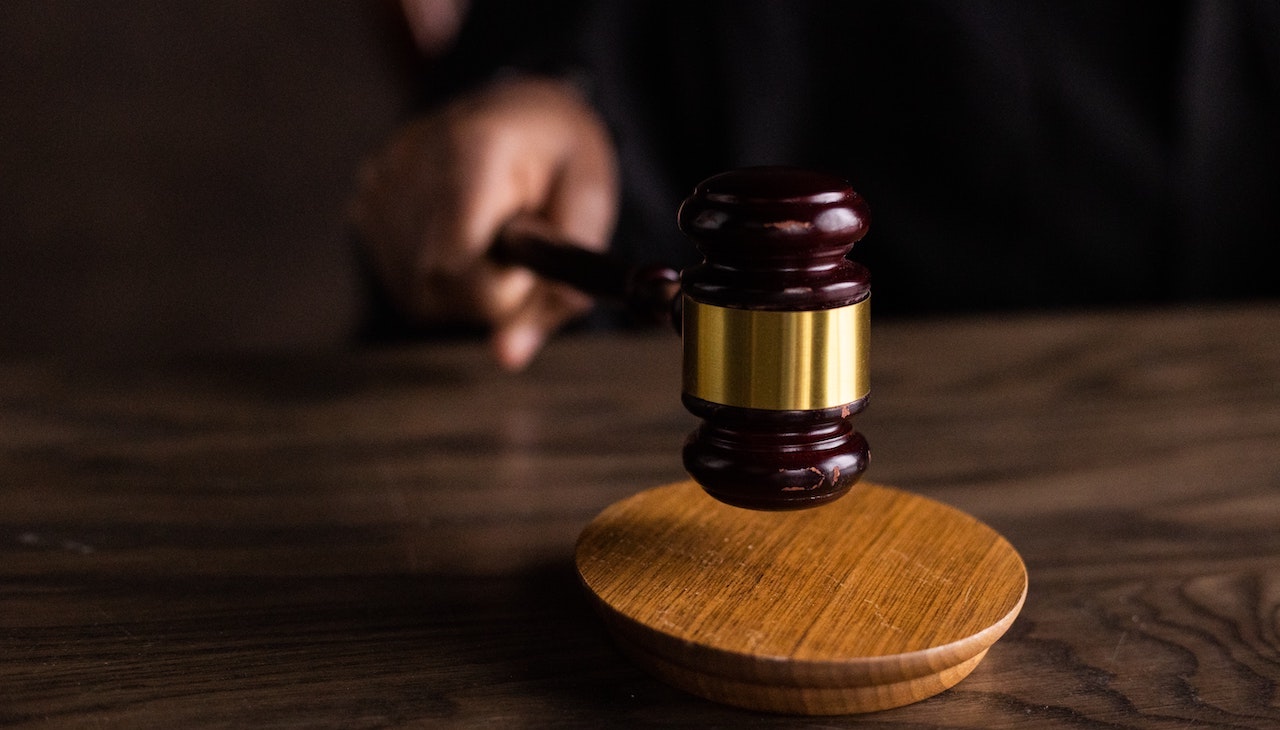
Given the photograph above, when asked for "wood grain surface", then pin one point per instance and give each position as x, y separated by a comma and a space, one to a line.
385, 539
877, 600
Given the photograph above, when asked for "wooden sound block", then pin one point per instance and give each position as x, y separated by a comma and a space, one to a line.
878, 600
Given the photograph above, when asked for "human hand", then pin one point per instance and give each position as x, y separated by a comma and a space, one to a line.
430, 204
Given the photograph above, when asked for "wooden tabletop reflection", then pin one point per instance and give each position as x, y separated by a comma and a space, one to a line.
384, 538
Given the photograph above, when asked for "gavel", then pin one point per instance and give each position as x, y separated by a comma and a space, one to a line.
775, 323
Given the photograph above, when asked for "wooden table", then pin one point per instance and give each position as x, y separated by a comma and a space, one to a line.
384, 539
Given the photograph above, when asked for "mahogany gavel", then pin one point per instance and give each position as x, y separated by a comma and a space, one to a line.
775, 322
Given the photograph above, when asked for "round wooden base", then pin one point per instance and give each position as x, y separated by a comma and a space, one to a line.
877, 600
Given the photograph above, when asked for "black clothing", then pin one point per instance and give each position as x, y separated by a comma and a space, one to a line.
1014, 154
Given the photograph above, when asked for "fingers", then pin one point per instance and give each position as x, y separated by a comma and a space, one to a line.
490, 185
549, 306
573, 186
431, 204
582, 202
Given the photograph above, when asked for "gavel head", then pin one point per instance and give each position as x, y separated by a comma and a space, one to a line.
775, 325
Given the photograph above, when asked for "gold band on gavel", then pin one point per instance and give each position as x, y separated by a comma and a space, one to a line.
783, 361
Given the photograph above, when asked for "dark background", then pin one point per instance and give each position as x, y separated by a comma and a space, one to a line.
174, 175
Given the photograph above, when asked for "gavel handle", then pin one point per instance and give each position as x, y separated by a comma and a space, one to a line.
649, 292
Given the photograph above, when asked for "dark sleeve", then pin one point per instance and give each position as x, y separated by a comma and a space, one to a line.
499, 37
1015, 155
